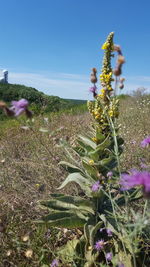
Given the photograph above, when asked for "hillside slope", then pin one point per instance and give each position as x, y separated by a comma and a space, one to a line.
40, 102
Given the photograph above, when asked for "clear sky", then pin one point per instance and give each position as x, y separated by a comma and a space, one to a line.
53, 44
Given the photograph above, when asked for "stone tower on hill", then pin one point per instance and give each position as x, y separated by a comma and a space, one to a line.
4, 76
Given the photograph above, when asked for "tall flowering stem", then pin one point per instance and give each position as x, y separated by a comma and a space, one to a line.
94, 166
105, 106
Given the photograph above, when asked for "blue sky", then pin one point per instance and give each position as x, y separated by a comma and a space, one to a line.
53, 44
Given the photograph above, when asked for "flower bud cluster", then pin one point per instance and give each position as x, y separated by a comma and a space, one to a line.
105, 106
120, 61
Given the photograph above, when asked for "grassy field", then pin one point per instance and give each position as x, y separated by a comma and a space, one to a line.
29, 171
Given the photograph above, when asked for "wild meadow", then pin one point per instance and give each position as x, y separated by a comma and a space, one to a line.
75, 185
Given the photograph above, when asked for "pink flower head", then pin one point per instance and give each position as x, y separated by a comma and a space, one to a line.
99, 245
96, 186
54, 263
109, 256
120, 265
109, 232
18, 107
93, 90
145, 142
109, 174
136, 178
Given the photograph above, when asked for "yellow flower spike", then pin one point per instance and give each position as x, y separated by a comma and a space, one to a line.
105, 45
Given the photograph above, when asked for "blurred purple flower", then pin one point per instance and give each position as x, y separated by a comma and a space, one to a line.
18, 107
93, 90
99, 245
109, 256
136, 178
54, 263
109, 174
143, 165
120, 265
145, 142
109, 232
96, 186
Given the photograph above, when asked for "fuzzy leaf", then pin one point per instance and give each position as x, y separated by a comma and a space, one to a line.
68, 252
63, 219
87, 141
90, 169
93, 232
83, 182
64, 203
70, 167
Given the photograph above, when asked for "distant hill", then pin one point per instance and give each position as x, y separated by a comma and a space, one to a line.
40, 102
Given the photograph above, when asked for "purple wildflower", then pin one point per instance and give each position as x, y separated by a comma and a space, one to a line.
145, 142
143, 165
99, 245
109, 232
120, 265
109, 174
136, 178
96, 186
109, 256
93, 90
18, 107
54, 263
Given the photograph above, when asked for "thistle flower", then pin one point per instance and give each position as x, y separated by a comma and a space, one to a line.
96, 186
109, 256
120, 265
109, 232
120, 59
117, 48
99, 245
93, 90
145, 142
109, 174
54, 263
19, 106
136, 178
117, 71
121, 86
93, 76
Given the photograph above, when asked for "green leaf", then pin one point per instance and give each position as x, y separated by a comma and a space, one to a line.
93, 232
69, 203
100, 136
70, 167
63, 219
87, 141
90, 169
68, 252
100, 149
82, 181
